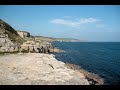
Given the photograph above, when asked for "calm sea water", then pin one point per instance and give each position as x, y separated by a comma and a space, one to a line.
102, 58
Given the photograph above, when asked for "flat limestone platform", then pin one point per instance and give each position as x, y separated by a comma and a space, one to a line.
37, 69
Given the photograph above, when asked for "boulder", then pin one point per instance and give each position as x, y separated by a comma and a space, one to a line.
24, 48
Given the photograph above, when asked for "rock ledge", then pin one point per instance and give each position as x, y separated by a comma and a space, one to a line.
37, 69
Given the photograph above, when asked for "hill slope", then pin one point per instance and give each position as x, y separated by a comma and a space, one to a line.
12, 34
56, 39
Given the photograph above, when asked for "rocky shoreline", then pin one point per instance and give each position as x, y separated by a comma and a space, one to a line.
14, 41
37, 69
92, 78
25, 60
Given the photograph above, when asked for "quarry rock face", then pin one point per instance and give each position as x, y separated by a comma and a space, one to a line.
23, 34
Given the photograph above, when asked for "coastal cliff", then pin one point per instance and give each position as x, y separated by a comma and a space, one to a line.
9, 32
37, 69
31, 65
12, 40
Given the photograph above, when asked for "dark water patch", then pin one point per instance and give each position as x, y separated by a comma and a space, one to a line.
100, 58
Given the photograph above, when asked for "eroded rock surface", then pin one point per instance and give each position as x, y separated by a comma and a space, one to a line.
37, 69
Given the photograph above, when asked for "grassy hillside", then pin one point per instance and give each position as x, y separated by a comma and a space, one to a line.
55, 39
12, 34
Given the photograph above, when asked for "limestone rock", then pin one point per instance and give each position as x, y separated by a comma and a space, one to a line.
37, 69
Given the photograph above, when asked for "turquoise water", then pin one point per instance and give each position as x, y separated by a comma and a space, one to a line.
102, 58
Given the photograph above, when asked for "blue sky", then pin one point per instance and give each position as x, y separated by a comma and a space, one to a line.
84, 22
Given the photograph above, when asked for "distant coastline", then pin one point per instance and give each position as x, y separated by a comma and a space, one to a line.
51, 39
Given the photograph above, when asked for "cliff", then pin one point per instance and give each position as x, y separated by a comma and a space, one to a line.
21, 41
23, 34
37, 69
9, 38
12, 34
32, 68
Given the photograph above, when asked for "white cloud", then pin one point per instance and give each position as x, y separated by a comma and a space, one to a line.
88, 20
65, 22
74, 23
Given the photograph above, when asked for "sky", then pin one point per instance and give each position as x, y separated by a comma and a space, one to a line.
99, 23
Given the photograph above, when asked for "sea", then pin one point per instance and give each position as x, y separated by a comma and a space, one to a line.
101, 58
